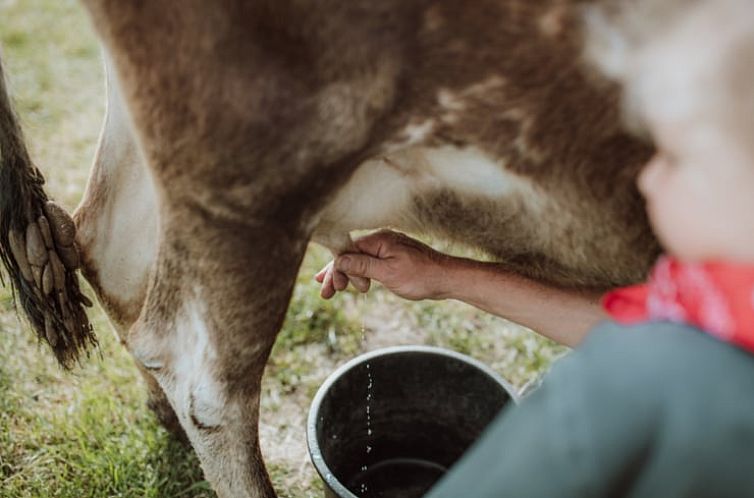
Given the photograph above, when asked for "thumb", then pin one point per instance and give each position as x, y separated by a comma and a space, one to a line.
360, 265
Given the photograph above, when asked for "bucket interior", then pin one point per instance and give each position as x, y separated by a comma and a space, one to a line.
392, 425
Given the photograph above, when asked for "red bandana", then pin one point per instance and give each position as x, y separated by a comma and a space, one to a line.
716, 297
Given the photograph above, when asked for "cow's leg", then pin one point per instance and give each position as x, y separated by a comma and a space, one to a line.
215, 392
219, 297
246, 136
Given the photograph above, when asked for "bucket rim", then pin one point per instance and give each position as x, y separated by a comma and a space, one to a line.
315, 453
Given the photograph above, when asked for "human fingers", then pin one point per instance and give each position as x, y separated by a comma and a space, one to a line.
361, 284
339, 280
327, 290
320, 275
361, 265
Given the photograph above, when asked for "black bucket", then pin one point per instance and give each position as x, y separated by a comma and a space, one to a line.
391, 422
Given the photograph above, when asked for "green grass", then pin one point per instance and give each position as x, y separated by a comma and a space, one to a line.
88, 433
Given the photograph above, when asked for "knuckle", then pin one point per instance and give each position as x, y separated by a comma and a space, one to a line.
362, 265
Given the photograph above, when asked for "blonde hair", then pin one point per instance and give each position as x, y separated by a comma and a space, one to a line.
677, 56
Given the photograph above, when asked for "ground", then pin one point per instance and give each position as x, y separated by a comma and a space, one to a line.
87, 433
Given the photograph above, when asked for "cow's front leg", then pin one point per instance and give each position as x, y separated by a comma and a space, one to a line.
246, 136
213, 310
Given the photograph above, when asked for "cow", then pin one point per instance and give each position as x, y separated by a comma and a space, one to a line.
237, 131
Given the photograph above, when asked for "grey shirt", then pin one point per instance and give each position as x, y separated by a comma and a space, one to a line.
657, 410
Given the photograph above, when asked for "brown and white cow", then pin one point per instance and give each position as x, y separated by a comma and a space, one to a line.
238, 130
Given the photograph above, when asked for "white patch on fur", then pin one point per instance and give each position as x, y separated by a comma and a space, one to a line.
468, 171
149, 363
193, 359
451, 105
381, 191
450, 101
417, 133
484, 87
186, 360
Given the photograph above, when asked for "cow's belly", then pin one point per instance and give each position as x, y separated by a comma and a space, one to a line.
468, 197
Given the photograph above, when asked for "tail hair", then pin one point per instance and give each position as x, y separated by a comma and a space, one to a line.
38, 248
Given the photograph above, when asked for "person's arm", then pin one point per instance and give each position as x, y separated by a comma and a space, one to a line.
415, 271
563, 315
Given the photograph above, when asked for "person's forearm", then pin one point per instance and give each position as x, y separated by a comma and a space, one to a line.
564, 315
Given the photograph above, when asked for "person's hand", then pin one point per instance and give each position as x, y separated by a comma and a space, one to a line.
405, 266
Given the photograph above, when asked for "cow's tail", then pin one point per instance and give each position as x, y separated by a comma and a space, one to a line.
38, 249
